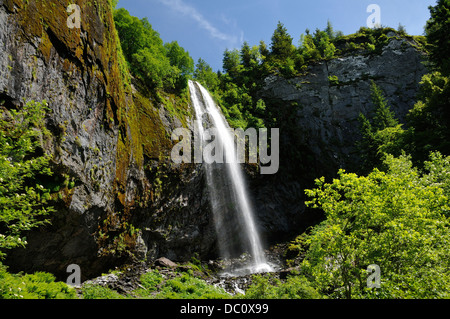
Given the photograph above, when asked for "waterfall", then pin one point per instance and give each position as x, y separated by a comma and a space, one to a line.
233, 215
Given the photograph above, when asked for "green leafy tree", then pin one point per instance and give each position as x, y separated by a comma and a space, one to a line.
181, 60
159, 66
384, 116
131, 31
24, 202
396, 219
429, 120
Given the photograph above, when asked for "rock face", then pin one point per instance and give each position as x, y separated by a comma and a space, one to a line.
319, 117
108, 139
326, 110
113, 142
42, 59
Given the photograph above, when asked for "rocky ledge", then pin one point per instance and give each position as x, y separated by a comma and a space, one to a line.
126, 279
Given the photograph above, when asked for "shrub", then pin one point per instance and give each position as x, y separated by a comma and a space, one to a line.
295, 287
188, 287
39, 285
23, 199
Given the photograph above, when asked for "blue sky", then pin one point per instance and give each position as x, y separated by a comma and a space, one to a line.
206, 28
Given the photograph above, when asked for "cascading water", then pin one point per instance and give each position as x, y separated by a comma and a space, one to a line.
230, 203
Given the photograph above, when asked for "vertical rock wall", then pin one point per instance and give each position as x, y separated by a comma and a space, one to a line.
319, 117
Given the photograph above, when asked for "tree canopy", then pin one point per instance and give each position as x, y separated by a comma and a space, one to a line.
161, 66
398, 220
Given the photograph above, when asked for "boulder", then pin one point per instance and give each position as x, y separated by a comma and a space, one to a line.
165, 263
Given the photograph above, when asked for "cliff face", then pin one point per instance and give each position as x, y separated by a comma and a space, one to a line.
113, 141
76, 71
319, 117
327, 101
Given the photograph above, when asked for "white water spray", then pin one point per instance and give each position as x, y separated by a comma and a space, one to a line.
233, 184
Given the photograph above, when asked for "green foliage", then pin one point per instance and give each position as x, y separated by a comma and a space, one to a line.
308, 49
329, 30
323, 43
232, 63
205, 75
429, 120
23, 200
91, 291
437, 31
113, 3
39, 285
181, 62
160, 66
151, 280
154, 285
402, 30
281, 47
334, 80
365, 41
384, 117
185, 287
396, 219
295, 287
382, 135
245, 69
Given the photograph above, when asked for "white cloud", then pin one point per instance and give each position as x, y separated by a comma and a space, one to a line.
187, 10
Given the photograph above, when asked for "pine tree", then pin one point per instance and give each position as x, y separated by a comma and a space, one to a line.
384, 117
246, 55
437, 31
330, 31
231, 62
281, 47
205, 75
377, 134
263, 50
